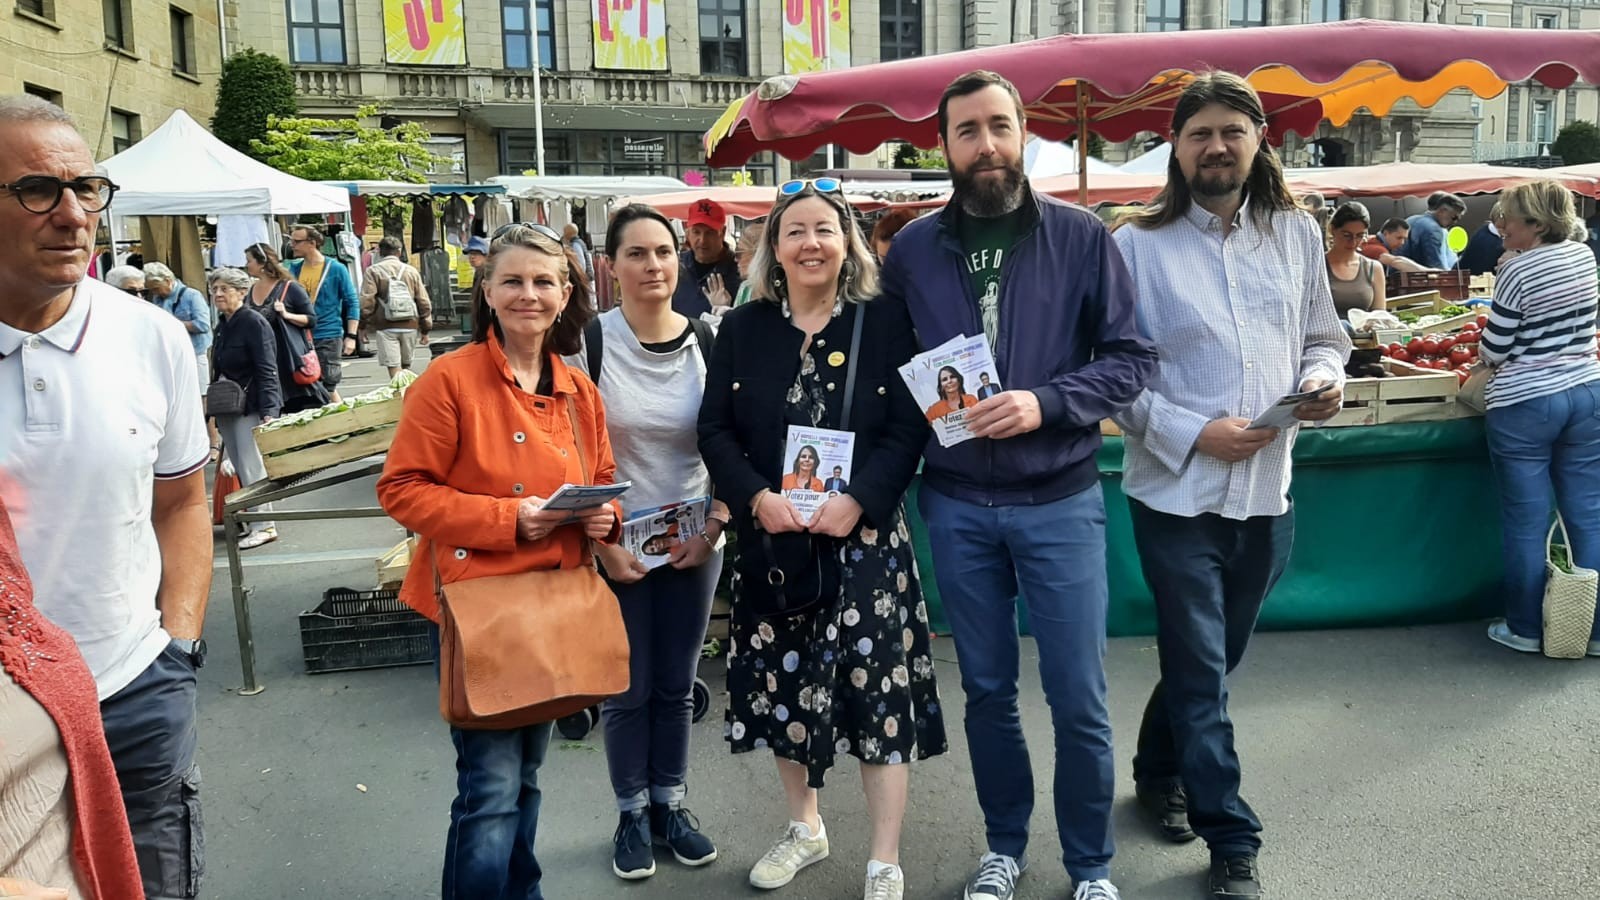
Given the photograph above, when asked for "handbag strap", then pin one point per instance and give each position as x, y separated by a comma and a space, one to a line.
850, 371
1550, 539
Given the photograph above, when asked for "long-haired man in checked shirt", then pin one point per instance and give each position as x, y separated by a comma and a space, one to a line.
1232, 289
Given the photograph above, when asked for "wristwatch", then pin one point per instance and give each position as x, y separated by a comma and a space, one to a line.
349, 335
195, 650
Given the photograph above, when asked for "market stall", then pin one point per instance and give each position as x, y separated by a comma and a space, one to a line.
752, 202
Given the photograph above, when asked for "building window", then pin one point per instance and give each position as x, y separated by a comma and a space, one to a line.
1477, 121
116, 15
453, 154
43, 93
1164, 15
900, 29
182, 41
1325, 11
619, 153
722, 37
1542, 126
124, 130
316, 31
1246, 13
1547, 20
518, 18
43, 8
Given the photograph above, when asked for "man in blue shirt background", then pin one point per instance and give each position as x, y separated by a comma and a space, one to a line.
333, 296
1426, 244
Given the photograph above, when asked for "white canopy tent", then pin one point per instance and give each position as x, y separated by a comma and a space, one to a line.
181, 169
585, 187
1044, 159
1153, 162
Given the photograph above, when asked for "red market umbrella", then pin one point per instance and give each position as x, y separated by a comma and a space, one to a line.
1419, 180
751, 202
1118, 85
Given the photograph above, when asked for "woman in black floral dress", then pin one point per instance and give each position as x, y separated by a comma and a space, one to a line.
854, 674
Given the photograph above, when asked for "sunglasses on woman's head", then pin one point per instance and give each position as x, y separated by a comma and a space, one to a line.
545, 230
820, 185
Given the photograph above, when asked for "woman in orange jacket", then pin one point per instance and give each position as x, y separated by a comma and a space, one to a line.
484, 438
952, 395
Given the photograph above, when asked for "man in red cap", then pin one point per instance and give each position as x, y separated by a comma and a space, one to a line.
706, 271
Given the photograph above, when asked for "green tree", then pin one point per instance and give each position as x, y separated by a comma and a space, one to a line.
930, 159
254, 88
905, 156
347, 149
1097, 146
1577, 144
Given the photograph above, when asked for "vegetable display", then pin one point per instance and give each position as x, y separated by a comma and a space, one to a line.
389, 391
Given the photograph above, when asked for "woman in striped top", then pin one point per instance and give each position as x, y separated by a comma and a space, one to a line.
1544, 399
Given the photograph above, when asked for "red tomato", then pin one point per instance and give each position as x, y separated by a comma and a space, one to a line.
1396, 348
1404, 355
1385, 351
1430, 347
1414, 347
1461, 377
1483, 322
1470, 326
1460, 356
1445, 343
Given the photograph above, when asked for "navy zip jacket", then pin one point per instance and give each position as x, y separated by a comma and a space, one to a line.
1067, 333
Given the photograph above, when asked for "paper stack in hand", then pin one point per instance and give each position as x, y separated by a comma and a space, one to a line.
948, 381
651, 534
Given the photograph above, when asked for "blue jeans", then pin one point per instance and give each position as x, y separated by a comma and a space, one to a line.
1055, 555
1209, 576
488, 853
647, 728
1538, 444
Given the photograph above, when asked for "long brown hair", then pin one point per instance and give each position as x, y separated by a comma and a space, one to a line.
566, 335
267, 258
1266, 186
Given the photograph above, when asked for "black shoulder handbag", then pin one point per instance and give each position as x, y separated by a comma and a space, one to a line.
795, 573
224, 397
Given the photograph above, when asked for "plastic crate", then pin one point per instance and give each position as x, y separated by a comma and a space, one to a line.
363, 630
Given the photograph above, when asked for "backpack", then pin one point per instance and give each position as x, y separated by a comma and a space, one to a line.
594, 344
395, 299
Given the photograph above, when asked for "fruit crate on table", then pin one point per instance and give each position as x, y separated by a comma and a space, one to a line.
330, 440
1452, 284
1409, 394
363, 630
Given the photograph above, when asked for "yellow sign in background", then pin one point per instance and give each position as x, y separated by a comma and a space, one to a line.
816, 35
424, 32
630, 34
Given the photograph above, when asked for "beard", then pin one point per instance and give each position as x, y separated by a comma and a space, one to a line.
988, 197
1215, 182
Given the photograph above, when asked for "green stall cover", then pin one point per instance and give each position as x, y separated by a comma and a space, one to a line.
1394, 524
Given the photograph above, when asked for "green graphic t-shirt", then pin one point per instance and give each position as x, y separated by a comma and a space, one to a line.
986, 242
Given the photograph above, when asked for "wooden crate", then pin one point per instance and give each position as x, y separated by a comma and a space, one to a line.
1409, 394
297, 449
1419, 302
393, 565
1452, 284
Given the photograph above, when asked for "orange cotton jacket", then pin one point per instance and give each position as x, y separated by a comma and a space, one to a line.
470, 447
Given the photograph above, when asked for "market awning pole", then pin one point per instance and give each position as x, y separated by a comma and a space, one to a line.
538, 107
1083, 146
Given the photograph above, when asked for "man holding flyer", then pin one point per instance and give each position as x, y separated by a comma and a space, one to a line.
1233, 289
1015, 506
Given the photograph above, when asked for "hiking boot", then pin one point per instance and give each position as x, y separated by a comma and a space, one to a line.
631, 856
1235, 878
1098, 889
793, 852
677, 828
996, 878
888, 884
1164, 800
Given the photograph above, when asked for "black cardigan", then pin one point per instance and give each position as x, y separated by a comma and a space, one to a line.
756, 359
246, 352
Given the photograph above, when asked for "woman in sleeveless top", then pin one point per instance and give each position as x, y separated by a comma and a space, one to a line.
1356, 281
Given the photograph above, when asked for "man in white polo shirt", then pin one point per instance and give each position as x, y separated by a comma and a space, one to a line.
102, 446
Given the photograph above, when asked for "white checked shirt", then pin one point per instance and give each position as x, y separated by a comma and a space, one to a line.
1239, 321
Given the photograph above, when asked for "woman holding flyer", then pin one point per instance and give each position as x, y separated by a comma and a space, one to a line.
651, 374
488, 432
846, 669
952, 394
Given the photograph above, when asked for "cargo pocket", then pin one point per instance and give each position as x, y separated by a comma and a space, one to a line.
194, 824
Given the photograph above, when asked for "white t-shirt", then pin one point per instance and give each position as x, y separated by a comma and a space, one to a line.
93, 410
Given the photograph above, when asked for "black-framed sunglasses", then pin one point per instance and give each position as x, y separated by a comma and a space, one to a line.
41, 194
545, 230
820, 185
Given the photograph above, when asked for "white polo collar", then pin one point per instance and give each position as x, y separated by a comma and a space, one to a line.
67, 333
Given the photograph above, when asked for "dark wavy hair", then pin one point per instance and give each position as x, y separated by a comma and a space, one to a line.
622, 218
1266, 187
266, 256
565, 337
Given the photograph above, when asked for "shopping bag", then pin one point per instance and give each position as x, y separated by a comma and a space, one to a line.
1569, 595
226, 483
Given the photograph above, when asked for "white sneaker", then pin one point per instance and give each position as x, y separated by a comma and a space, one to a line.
793, 852
1099, 889
1501, 634
996, 878
256, 538
888, 884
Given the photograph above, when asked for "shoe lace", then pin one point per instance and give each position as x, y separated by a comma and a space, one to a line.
996, 871
785, 847
881, 886
1099, 889
1242, 868
628, 834
681, 822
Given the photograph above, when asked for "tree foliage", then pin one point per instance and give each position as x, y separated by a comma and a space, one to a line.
1577, 144
254, 88
347, 149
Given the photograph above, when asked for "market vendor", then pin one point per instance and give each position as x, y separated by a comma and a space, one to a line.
708, 276
1385, 247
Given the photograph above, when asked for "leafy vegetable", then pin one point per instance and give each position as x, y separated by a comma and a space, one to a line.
388, 392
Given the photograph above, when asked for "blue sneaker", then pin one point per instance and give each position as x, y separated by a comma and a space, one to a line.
632, 858
677, 828
1501, 634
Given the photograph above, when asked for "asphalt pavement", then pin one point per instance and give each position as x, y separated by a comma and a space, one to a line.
1413, 763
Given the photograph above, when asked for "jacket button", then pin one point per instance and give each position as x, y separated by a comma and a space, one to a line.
821, 342
461, 553
516, 488
563, 452
882, 391
736, 385
830, 385
519, 437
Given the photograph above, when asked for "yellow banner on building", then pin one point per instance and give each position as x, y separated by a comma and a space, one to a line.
424, 33
630, 34
816, 35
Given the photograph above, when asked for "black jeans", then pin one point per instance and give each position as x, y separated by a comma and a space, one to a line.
1209, 576
150, 728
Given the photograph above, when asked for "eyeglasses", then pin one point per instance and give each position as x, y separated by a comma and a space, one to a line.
820, 185
41, 194
1352, 235
545, 230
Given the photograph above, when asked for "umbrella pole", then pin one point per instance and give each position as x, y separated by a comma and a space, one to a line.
1083, 147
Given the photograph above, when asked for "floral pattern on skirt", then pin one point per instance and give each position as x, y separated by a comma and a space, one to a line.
857, 678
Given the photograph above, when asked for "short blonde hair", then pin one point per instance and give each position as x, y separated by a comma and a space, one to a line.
859, 275
1547, 206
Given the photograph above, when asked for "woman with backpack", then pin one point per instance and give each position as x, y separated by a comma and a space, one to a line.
287, 308
395, 307
649, 364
